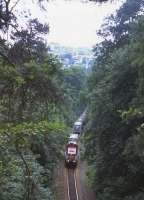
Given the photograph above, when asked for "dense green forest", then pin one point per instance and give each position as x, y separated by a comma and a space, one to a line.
39, 100
114, 136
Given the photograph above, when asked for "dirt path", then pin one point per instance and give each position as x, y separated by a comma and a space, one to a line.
61, 182
84, 191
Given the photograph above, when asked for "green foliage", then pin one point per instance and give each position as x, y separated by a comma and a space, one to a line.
114, 138
29, 152
29, 147
75, 91
37, 98
25, 90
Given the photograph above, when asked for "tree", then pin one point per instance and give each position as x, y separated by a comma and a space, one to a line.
114, 128
32, 130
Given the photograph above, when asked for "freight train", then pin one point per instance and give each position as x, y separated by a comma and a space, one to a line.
77, 129
72, 150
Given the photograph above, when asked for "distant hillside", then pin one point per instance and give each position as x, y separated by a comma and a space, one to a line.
72, 56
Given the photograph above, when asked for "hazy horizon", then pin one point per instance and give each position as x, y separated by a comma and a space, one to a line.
72, 23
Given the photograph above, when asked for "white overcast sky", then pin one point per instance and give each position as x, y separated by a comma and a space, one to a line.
72, 23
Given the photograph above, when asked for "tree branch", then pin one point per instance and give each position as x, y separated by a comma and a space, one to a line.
14, 5
28, 172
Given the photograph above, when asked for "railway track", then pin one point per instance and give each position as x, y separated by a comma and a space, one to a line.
72, 185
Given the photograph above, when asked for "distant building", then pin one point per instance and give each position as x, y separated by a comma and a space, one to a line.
69, 56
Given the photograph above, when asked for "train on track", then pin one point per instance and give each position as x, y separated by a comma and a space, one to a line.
77, 129
72, 146
71, 155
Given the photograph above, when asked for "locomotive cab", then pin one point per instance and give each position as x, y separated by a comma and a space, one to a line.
71, 154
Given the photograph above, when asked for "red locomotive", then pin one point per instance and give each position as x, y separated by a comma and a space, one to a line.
71, 154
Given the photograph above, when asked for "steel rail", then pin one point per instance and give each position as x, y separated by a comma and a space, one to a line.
72, 185
76, 185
